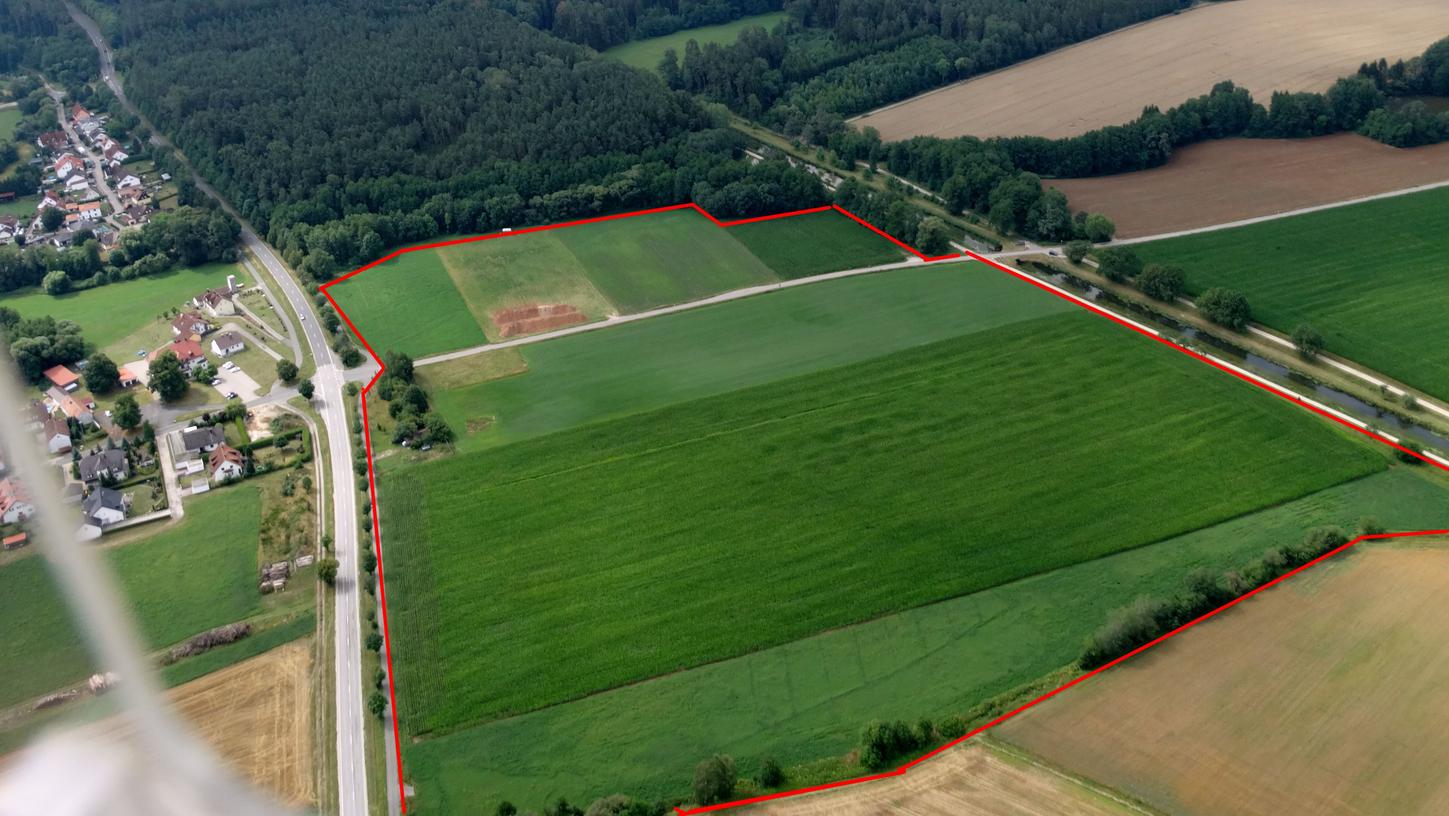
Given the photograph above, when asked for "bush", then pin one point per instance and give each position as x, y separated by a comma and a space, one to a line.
1165, 283
882, 742
952, 727
1098, 228
1369, 525
1076, 250
1119, 264
377, 703
714, 780
374, 641
327, 571
287, 371
1409, 456
771, 775
1308, 341
1225, 307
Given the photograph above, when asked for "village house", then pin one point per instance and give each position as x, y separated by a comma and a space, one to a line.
189, 326
115, 156
15, 504
51, 200
70, 406
225, 463
102, 508
36, 415
227, 344
187, 351
136, 214
219, 302
132, 374
56, 434
132, 196
104, 465
62, 378
91, 211
9, 225
78, 112
68, 165
127, 181
54, 141
14, 542
202, 440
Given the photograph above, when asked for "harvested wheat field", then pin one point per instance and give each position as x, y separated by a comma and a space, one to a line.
1263, 45
1228, 180
973, 779
255, 714
1326, 695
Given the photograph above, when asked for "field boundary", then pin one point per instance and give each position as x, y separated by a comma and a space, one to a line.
1138, 328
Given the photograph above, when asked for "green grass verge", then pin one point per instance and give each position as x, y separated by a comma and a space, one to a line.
1370, 277
409, 304
816, 502
185, 579
814, 244
808, 700
647, 53
110, 314
663, 360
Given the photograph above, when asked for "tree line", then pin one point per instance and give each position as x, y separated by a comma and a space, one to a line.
602, 24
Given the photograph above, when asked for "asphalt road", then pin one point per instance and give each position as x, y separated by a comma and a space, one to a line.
330, 403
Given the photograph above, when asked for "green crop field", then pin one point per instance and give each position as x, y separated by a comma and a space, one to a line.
409, 304
185, 579
809, 699
805, 245
670, 257
1370, 277
111, 313
647, 53
668, 359
816, 502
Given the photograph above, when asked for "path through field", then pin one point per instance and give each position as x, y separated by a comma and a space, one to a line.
1263, 45
972, 780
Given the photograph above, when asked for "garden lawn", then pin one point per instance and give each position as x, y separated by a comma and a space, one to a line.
809, 699
546, 570
647, 53
662, 258
22, 208
186, 578
1370, 277
805, 245
641, 366
115, 312
9, 119
409, 304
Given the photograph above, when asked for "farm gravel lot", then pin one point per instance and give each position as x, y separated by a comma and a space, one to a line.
1229, 180
1262, 45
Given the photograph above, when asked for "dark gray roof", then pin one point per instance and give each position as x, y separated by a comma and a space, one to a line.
103, 498
109, 459
202, 438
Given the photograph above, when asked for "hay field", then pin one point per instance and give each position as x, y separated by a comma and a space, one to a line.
1233, 179
1263, 45
1326, 695
974, 779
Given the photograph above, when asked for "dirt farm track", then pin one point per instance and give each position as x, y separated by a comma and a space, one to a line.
1219, 182
1263, 45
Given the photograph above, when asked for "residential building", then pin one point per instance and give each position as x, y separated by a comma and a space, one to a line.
15, 503
218, 302
56, 434
225, 463
54, 141
68, 165
14, 542
187, 351
70, 406
202, 440
36, 415
189, 326
227, 344
62, 378
104, 465
91, 211
132, 374
102, 508
115, 156
128, 181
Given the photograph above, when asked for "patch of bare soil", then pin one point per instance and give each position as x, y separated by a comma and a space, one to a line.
535, 318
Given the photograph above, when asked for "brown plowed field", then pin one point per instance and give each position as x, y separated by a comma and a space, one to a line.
535, 318
969, 780
1325, 696
1219, 182
1263, 45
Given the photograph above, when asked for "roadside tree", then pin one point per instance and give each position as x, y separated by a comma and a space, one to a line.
1225, 307
714, 780
127, 413
102, 376
1076, 250
1164, 283
1308, 341
1119, 264
287, 371
168, 379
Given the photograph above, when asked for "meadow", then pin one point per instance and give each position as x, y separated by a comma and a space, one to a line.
9, 119
113, 313
432, 301
1323, 695
647, 53
186, 578
642, 366
807, 700
1369, 277
834, 242
825, 500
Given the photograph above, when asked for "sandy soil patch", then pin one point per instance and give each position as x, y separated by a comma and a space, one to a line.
1223, 181
1326, 695
259, 420
1263, 45
969, 780
535, 318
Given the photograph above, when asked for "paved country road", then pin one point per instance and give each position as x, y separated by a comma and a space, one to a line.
330, 402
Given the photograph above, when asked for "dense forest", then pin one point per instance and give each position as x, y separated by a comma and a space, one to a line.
605, 23
836, 58
39, 35
392, 122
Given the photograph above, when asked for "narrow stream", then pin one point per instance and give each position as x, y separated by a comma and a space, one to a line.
1279, 374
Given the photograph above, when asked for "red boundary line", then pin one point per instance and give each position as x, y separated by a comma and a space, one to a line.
377, 520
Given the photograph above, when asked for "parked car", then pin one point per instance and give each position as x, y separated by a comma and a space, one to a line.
216, 382
231, 395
